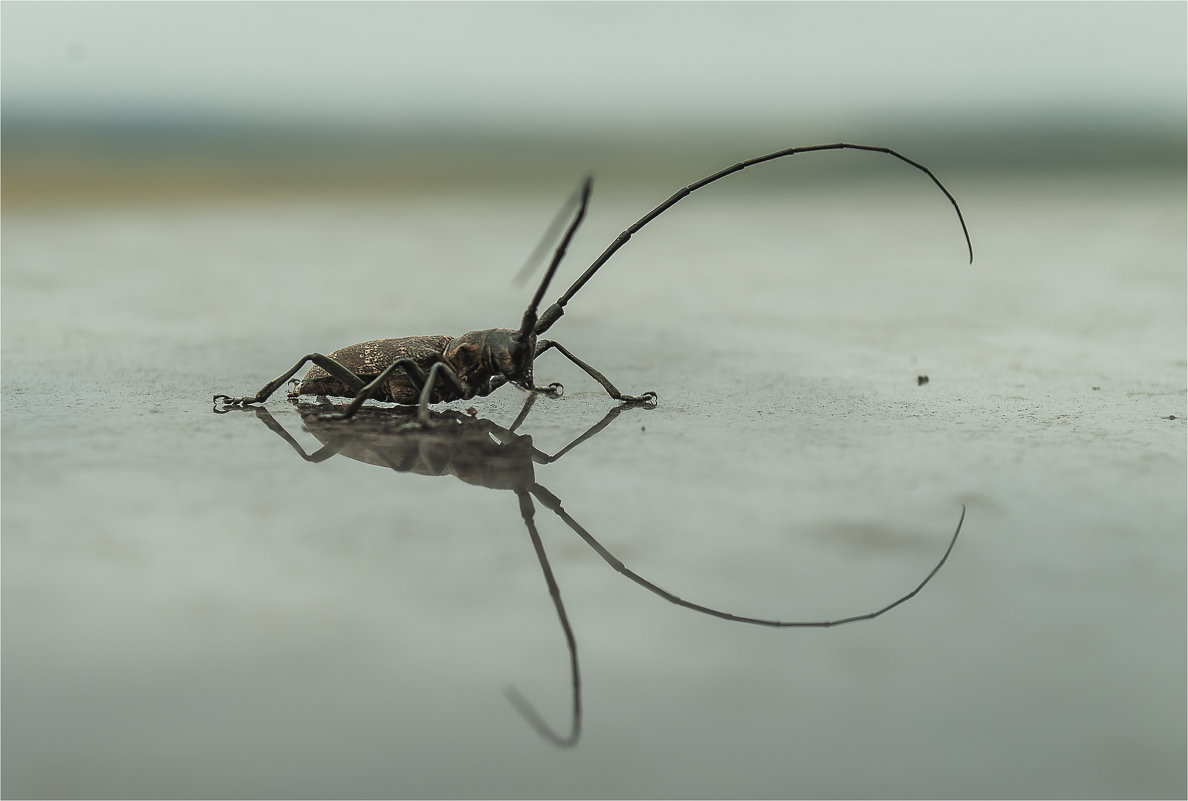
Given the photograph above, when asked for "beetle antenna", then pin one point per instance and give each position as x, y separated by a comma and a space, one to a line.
554, 312
582, 198
546, 241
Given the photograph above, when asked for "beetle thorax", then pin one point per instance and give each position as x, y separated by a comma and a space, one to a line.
478, 355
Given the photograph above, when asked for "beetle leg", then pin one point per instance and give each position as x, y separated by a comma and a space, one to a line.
495, 382
452, 382
425, 383
325, 362
611, 389
363, 393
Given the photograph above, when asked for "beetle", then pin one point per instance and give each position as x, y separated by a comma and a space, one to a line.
483, 453
431, 369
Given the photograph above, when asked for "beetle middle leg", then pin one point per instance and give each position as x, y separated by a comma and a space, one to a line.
440, 372
334, 368
451, 381
611, 389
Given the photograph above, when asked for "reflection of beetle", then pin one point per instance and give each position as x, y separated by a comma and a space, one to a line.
483, 453
472, 449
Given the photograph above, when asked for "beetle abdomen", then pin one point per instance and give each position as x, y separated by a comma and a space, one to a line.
368, 359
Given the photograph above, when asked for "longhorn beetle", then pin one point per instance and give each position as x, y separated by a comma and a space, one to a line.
431, 369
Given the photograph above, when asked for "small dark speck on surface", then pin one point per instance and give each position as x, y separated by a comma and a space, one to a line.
921, 380
1171, 417
1096, 389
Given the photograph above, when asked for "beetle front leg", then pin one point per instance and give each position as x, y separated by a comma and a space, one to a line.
495, 382
325, 362
611, 389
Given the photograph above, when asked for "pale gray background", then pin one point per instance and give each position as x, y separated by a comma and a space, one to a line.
568, 66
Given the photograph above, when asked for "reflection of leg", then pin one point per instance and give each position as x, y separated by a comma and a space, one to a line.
352, 381
320, 455
519, 701
611, 389
506, 435
531, 399
590, 432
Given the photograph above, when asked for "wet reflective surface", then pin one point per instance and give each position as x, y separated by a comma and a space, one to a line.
192, 609
485, 454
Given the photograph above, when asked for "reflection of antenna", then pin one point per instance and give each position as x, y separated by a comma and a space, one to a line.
522, 705
553, 502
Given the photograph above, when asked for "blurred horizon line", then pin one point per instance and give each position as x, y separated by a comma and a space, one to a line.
52, 157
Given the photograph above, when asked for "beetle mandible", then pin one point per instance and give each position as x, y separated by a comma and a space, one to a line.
432, 369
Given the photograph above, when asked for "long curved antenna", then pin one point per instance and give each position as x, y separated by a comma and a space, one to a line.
554, 503
554, 312
522, 705
583, 201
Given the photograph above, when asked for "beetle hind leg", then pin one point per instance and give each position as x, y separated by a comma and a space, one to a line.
334, 368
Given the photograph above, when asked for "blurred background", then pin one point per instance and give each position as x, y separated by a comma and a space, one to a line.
103, 101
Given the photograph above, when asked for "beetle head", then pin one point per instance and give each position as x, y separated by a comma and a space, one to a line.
478, 356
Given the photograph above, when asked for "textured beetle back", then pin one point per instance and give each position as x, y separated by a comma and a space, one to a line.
369, 359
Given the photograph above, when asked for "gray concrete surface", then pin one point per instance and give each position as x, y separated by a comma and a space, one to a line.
192, 610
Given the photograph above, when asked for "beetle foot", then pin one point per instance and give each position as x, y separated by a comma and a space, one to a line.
231, 403
649, 399
554, 390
